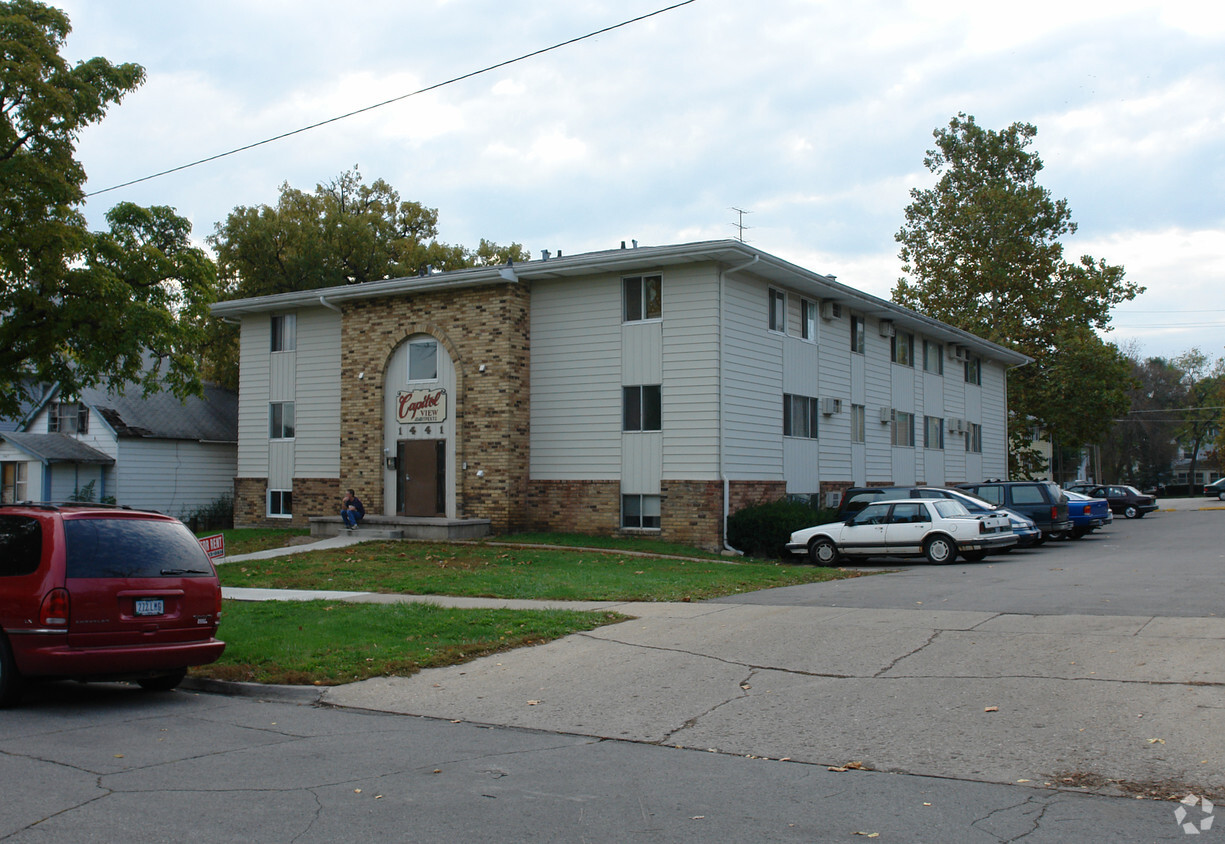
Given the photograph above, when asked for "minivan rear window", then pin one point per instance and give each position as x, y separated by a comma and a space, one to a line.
21, 545
132, 548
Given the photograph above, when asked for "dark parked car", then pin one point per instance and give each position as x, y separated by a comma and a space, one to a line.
856, 498
1216, 489
1041, 501
89, 592
1126, 501
1087, 513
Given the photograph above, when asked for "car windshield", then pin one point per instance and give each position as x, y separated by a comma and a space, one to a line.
950, 509
126, 547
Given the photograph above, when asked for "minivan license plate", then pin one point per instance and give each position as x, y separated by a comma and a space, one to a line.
150, 606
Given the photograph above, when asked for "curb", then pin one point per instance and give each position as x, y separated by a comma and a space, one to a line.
260, 691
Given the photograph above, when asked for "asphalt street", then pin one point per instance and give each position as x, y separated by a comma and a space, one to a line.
1043, 696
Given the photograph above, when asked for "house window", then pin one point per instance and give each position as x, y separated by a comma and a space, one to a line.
856, 333
808, 319
933, 432
13, 486
642, 408
903, 348
280, 503
933, 357
778, 310
857, 419
640, 511
67, 417
974, 371
974, 439
423, 360
903, 429
280, 420
284, 332
642, 297
800, 416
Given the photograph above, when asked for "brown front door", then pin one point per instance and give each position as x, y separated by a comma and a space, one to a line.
421, 478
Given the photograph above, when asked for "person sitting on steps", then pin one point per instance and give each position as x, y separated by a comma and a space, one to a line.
352, 510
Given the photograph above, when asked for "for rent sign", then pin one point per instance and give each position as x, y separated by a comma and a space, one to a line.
214, 546
421, 406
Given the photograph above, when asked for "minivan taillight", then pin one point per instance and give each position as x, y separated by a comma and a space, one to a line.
1054, 513
54, 612
217, 609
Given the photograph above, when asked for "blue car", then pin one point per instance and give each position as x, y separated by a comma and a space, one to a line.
1087, 513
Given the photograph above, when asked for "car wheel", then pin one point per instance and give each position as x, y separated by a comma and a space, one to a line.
974, 556
163, 682
823, 552
1059, 535
1221, 497
10, 679
1130, 512
940, 550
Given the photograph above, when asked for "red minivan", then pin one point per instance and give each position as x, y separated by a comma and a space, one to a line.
90, 592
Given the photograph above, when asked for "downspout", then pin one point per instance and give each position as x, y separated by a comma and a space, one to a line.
323, 301
722, 399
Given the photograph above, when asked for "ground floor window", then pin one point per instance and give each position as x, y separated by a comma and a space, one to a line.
14, 483
800, 416
280, 503
903, 429
640, 511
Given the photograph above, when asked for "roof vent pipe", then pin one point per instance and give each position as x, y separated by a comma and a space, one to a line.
623, 244
635, 243
544, 255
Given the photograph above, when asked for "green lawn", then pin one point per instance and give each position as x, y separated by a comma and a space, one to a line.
329, 642
250, 540
477, 570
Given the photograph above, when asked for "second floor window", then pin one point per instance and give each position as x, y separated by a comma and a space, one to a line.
642, 297
284, 332
642, 408
778, 310
903, 348
856, 333
808, 319
933, 357
67, 417
800, 416
280, 420
974, 371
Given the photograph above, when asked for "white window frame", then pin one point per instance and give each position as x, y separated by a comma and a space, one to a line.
278, 432
649, 511
421, 344
14, 482
859, 416
642, 391
802, 409
640, 306
282, 497
283, 332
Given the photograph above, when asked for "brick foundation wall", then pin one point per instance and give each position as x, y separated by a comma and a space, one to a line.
481, 326
311, 497
588, 507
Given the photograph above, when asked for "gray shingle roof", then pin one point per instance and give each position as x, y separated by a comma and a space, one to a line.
56, 448
162, 416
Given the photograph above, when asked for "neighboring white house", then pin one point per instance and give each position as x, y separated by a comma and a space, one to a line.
649, 389
151, 452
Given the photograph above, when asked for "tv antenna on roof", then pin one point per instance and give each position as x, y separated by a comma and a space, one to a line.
740, 226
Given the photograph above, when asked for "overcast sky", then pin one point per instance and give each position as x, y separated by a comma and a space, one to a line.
812, 116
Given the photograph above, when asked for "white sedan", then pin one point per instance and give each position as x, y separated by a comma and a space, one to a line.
938, 529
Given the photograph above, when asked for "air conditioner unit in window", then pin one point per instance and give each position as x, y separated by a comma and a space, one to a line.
832, 499
953, 425
831, 406
950, 351
886, 328
830, 310
886, 415
962, 426
962, 353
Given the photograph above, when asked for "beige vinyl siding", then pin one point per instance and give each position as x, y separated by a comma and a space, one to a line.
752, 362
576, 378
318, 426
253, 375
690, 361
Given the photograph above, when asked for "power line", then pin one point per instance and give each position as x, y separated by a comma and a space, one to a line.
425, 90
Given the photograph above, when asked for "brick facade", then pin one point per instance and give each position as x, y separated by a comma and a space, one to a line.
591, 507
479, 327
311, 497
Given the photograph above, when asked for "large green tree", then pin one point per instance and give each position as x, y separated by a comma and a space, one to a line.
982, 250
345, 232
78, 307
1203, 419
1141, 446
